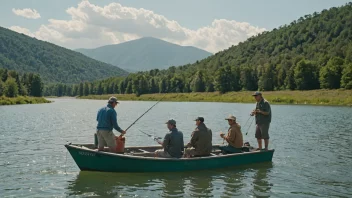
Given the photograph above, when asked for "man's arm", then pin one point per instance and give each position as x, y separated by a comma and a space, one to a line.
231, 136
266, 109
114, 122
166, 141
194, 138
98, 115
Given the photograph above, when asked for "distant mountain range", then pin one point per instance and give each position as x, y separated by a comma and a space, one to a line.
54, 63
145, 54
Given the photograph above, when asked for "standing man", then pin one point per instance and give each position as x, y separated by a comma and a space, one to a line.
234, 137
106, 118
262, 115
173, 142
201, 141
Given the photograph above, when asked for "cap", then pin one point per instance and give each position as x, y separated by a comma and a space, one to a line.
231, 117
112, 99
257, 93
172, 121
200, 119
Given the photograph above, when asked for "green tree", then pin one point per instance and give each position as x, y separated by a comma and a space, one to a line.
122, 87
100, 89
4, 75
11, 88
128, 88
305, 75
223, 79
36, 86
330, 74
235, 79
116, 88
153, 87
197, 84
266, 79
86, 89
2, 88
346, 79
162, 86
248, 79
81, 89
75, 91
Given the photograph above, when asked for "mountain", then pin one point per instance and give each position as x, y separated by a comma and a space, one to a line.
54, 64
145, 54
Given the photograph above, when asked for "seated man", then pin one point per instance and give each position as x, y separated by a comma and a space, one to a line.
234, 137
173, 142
200, 141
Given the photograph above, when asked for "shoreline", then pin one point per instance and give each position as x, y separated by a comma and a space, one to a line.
312, 97
22, 100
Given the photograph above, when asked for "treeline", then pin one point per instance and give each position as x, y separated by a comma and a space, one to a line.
13, 84
305, 75
313, 52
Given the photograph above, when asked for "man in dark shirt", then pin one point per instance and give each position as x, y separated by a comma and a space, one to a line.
106, 119
173, 142
201, 140
262, 115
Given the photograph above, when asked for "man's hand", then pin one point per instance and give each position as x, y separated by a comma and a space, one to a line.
222, 134
123, 132
254, 112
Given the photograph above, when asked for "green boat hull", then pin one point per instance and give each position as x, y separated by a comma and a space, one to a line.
92, 160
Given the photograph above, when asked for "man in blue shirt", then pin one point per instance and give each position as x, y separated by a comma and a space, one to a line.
106, 118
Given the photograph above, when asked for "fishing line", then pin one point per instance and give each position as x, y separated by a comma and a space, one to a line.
149, 109
151, 136
250, 126
66, 161
247, 121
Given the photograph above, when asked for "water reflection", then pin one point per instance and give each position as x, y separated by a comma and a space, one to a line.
229, 182
261, 182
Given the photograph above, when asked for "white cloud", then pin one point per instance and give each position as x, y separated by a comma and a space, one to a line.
93, 26
27, 13
22, 30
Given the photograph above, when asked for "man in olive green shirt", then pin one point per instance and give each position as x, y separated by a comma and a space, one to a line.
262, 115
201, 141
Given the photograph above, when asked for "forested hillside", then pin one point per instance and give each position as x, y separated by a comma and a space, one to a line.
55, 64
312, 52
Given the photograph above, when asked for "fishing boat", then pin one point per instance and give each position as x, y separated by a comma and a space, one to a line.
142, 159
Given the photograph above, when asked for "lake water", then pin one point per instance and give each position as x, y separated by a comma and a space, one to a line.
312, 151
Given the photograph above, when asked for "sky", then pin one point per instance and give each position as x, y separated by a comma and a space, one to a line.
207, 24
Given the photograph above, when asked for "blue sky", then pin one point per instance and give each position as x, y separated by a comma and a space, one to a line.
210, 25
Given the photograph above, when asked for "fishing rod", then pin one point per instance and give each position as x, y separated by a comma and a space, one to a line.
250, 125
148, 110
152, 136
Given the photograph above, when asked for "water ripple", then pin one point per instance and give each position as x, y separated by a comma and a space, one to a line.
312, 157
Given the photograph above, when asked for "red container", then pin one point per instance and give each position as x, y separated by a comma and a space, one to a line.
120, 144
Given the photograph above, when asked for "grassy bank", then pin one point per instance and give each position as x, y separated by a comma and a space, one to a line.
22, 100
314, 97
